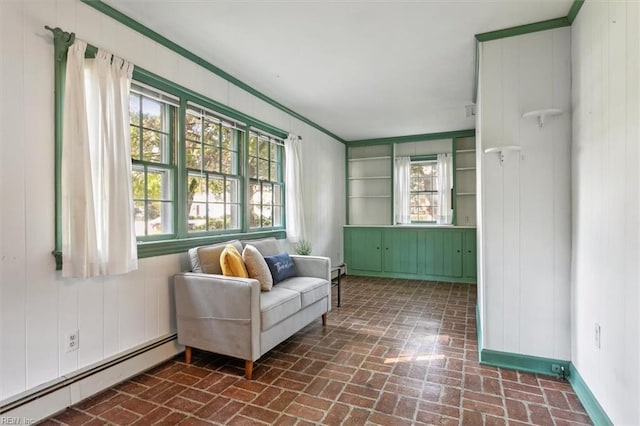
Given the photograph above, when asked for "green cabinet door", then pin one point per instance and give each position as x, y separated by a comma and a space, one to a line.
469, 256
364, 249
401, 251
433, 257
452, 249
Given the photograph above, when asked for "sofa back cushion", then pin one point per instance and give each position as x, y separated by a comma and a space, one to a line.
266, 246
206, 259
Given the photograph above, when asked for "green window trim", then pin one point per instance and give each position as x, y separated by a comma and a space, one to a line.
180, 240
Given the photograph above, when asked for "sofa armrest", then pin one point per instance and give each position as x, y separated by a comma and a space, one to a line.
312, 266
219, 314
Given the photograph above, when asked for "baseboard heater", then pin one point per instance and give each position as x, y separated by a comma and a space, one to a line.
46, 389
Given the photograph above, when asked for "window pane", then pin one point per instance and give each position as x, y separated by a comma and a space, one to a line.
139, 217
273, 174
263, 149
277, 195
229, 162
211, 132
160, 221
233, 216
193, 127
227, 138
211, 159
277, 216
253, 146
152, 145
263, 169
267, 218
197, 217
274, 152
158, 185
137, 181
216, 190
193, 155
134, 136
253, 167
134, 109
267, 194
232, 191
254, 216
152, 114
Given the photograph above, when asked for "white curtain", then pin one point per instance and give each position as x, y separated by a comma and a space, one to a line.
445, 184
293, 183
402, 190
98, 235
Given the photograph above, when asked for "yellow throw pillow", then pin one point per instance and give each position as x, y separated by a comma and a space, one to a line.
231, 263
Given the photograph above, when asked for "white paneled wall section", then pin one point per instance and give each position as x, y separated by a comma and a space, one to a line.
606, 137
38, 308
525, 202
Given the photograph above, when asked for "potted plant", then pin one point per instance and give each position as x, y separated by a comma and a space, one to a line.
303, 247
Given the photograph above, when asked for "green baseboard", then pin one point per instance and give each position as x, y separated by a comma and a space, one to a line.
423, 277
527, 363
588, 400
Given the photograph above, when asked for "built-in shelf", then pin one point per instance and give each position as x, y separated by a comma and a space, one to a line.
465, 169
541, 114
501, 150
369, 159
369, 196
465, 194
465, 151
369, 177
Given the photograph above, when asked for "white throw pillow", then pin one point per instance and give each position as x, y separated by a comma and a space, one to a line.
257, 267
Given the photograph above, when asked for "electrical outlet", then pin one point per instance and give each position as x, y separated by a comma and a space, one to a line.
555, 368
73, 341
597, 335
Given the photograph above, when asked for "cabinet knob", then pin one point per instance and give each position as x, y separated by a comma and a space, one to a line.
458, 251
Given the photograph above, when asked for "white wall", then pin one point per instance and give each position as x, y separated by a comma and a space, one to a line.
605, 278
525, 202
37, 307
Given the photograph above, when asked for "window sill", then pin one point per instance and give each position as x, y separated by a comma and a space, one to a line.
164, 247
161, 248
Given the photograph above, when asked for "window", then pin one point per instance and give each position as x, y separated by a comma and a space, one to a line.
266, 200
213, 181
189, 178
424, 191
152, 128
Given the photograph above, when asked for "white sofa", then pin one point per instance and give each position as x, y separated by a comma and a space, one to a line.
232, 316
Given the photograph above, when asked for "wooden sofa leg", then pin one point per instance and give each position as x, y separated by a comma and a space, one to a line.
248, 369
187, 354
324, 319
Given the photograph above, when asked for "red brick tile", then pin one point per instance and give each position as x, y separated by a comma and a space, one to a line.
357, 416
70, 417
483, 397
316, 386
570, 415
184, 379
471, 418
172, 419
351, 399
282, 401
238, 394
285, 420
332, 390
482, 407
539, 415
387, 403
406, 407
310, 401
444, 410
305, 412
139, 406
120, 416
386, 420
428, 418
260, 414
197, 395
131, 388
181, 404
210, 409
523, 396
556, 399
192, 421
289, 384
516, 410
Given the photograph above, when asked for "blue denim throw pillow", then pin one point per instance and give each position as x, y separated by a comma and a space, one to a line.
281, 267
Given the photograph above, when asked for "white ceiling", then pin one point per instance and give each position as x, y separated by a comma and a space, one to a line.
359, 68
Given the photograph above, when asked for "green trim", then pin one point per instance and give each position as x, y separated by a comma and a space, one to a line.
478, 330
573, 12
160, 248
476, 74
586, 397
147, 32
407, 276
524, 29
431, 157
414, 138
520, 362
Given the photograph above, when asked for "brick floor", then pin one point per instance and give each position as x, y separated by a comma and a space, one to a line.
397, 352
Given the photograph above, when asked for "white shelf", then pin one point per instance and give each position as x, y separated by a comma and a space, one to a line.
465, 169
465, 151
370, 178
501, 150
465, 194
369, 196
541, 114
355, 160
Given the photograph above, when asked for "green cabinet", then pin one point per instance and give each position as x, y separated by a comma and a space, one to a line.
434, 253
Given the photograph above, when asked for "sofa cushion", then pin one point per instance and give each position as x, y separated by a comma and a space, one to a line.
231, 262
276, 305
257, 267
206, 259
281, 267
311, 289
266, 246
